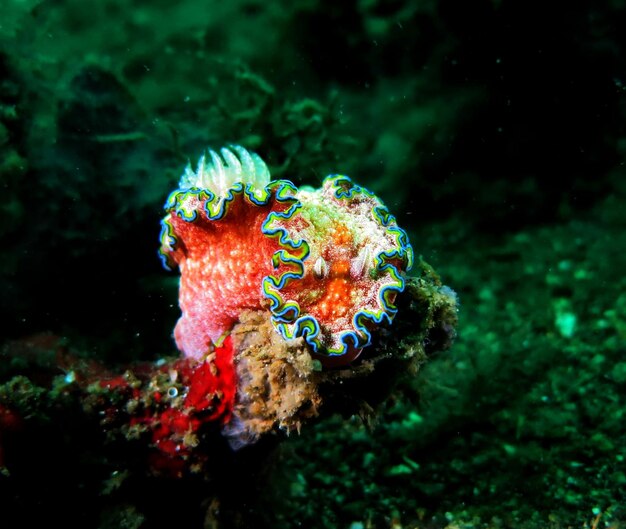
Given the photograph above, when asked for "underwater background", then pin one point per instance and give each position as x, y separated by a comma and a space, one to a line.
493, 130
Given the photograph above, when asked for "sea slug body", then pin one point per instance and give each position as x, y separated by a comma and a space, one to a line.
327, 263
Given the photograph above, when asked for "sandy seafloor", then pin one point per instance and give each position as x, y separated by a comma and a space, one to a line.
493, 130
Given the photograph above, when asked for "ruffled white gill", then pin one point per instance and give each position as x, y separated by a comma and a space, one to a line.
218, 173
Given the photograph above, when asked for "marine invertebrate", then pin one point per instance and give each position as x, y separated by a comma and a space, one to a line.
352, 274
328, 263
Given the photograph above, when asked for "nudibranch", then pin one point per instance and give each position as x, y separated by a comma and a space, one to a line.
327, 263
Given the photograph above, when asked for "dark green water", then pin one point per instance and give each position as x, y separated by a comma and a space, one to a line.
493, 130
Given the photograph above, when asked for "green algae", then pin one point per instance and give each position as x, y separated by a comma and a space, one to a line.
516, 407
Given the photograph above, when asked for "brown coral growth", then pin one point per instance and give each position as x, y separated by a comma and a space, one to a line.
277, 381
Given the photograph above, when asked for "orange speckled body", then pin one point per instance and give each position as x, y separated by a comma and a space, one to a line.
326, 263
222, 264
346, 287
